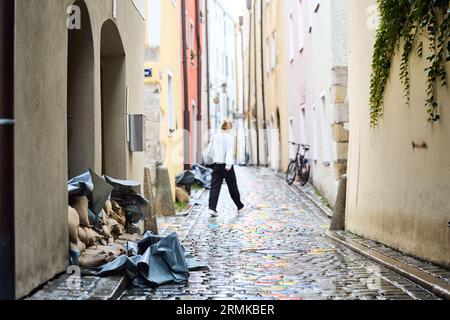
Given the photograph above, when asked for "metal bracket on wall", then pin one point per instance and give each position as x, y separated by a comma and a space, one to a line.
7, 122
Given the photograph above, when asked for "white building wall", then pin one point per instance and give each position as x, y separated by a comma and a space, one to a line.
222, 56
311, 85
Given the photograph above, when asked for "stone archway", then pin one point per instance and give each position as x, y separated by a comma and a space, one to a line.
80, 95
113, 96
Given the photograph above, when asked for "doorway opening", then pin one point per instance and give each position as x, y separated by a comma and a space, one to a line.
80, 96
113, 102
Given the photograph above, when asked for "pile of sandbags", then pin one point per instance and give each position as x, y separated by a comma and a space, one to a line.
98, 239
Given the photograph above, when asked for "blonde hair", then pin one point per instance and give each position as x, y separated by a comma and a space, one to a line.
227, 125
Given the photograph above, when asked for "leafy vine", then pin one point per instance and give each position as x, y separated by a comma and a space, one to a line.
416, 22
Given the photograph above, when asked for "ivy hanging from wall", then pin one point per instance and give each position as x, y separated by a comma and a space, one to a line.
418, 25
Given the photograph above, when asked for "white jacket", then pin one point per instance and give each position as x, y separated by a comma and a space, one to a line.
222, 149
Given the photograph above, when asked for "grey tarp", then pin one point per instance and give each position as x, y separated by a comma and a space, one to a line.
91, 185
127, 194
160, 261
202, 175
198, 174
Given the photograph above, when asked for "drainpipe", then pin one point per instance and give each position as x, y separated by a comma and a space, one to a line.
249, 109
187, 128
208, 90
7, 227
258, 162
263, 93
199, 75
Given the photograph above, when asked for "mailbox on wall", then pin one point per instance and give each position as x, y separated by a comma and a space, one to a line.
136, 137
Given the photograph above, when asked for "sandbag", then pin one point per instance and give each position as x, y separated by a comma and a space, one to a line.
182, 195
131, 237
108, 208
88, 236
106, 232
93, 260
115, 228
118, 213
78, 247
115, 250
93, 235
81, 204
82, 235
74, 223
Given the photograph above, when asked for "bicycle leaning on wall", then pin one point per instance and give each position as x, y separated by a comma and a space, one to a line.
299, 167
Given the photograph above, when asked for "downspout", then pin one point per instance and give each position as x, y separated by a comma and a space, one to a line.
258, 162
7, 227
186, 117
199, 78
208, 90
263, 93
249, 108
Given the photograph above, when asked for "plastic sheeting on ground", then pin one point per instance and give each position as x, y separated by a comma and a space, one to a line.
91, 185
127, 194
198, 174
158, 261
99, 190
202, 175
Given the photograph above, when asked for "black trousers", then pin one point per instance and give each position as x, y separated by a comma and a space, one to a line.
218, 175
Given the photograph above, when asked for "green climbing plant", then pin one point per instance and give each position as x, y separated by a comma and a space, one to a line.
414, 24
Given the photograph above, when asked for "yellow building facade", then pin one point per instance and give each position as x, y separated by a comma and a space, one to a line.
164, 79
265, 90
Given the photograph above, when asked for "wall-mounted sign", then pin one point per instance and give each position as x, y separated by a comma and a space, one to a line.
148, 72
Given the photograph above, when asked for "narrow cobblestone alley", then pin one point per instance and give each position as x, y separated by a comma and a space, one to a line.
277, 251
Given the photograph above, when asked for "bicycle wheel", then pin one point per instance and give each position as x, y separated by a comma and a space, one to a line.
305, 171
291, 173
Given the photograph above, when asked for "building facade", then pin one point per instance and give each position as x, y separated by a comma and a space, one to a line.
222, 60
78, 73
164, 86
316, 84
192, 64
397, 194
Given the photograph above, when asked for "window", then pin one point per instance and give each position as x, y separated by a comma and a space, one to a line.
314, 142
303, 137
170, 103
194, 130
291, 36
326, 141
232, 69
292, 148
301, 25
192, 35
273, 51
192, 43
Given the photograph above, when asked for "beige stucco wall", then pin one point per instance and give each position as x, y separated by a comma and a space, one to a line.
276, 86
41, 133
396, 195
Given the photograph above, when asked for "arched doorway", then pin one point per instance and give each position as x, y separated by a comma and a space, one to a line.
113, 99
80, 95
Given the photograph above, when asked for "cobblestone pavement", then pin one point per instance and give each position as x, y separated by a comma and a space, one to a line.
277, 251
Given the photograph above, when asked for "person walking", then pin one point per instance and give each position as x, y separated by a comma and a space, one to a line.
221, 151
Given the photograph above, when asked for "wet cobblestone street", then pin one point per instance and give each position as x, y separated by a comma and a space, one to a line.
278, 250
